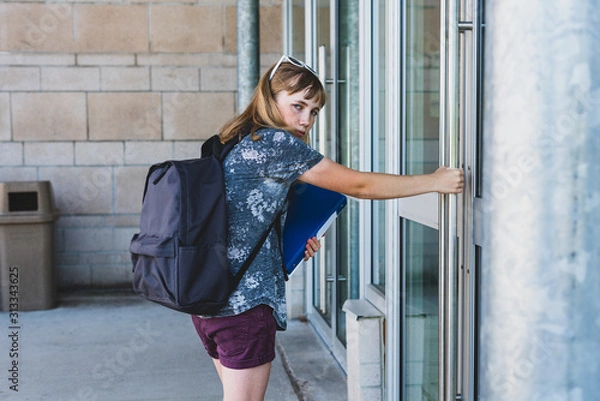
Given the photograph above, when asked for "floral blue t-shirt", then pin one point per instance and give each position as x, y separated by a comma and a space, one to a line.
258, 175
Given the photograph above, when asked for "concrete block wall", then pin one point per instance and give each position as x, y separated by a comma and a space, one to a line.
91, 94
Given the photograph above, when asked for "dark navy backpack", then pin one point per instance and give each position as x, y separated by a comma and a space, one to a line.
180, 254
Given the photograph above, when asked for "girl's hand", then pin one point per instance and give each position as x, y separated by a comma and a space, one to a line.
449, 180
312, 246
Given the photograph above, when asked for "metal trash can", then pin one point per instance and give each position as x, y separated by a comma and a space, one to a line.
27, 267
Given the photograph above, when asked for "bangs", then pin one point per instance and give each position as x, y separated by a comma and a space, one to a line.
300, 80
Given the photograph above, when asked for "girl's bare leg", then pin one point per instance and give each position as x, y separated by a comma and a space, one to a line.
244, 384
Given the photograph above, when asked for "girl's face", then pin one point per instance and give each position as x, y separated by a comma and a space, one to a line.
297, 111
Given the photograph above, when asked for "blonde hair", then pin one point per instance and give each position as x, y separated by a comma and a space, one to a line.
263, 112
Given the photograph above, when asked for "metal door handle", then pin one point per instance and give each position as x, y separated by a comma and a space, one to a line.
449, 81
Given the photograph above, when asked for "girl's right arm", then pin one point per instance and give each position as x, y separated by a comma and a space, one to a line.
366, 185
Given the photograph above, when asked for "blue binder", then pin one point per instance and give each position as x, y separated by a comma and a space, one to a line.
311, 211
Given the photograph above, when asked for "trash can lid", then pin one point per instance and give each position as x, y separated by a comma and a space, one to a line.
26, 198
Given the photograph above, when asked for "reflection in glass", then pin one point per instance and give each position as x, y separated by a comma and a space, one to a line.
298, 30
422, 87
420, 348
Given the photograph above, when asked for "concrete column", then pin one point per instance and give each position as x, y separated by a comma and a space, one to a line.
364, 351
540, 274
248, 50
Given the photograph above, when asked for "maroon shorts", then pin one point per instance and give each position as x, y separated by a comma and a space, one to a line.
242, 341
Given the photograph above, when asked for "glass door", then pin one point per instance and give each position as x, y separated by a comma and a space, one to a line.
324, 263
441, 54
333, 45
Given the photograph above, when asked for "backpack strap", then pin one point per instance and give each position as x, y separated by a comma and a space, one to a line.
280, 236
277, 223
213, 146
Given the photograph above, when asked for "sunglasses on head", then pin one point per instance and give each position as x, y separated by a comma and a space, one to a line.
293, 61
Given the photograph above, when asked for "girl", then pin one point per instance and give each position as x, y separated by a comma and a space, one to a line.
272, 154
